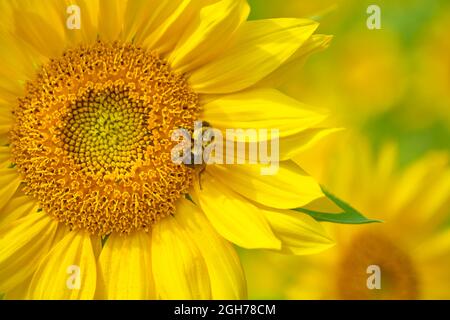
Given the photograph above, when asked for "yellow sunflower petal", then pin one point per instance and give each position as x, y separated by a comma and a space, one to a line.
10, 85
293, 146
178, 266
16, 66
299, 233
262, 47
6, 118
138, 15
5, 157
37, 31
9, 182
323, 204
208, 34
96, 245
294, 64
19, 292
68, 271
168, 23
432, 202
6, 23
17, 208
260, 109
124, 268
224, 267
234, 217
436, 246
22, 244
438, 196
90, 12
429, 173
111, 19
61, 233
289, 188
53, 11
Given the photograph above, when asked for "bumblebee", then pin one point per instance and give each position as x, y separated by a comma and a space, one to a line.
195, 159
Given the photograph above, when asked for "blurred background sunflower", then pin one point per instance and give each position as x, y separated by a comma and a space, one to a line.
390, 89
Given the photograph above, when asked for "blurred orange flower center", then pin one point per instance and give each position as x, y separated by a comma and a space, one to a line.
398, 278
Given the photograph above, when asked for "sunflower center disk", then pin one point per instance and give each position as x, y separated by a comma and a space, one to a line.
106, 133
356, 276
92, 138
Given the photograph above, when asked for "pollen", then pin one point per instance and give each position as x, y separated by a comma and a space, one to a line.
92, 137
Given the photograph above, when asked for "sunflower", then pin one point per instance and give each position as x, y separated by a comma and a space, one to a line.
411, 247
91, 203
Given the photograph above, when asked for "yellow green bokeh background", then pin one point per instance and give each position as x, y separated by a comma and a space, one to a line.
387, 86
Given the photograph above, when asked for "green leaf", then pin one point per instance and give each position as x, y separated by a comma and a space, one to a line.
349, 215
